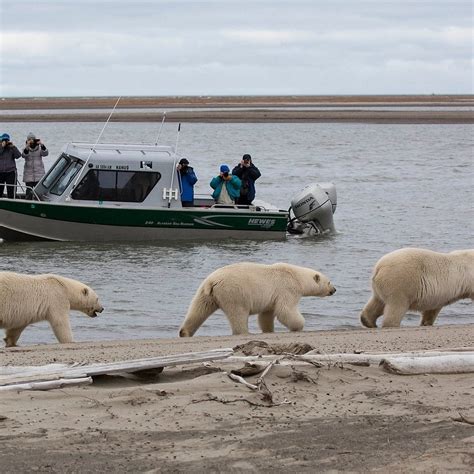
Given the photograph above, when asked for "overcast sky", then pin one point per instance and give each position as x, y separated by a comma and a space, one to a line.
186, 47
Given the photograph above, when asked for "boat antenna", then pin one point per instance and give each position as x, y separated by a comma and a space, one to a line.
103, 128
177, 138
97, 141
161, 128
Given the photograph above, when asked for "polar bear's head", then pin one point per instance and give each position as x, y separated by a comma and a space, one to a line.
322, 286
80, 296
90, 303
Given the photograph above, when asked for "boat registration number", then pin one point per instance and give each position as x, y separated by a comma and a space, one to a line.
109, 167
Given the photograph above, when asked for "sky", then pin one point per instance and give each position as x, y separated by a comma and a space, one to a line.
242, 47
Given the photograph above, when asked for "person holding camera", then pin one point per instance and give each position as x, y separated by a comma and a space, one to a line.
226, 186
34, 166
187, 181
8, 154
248, 174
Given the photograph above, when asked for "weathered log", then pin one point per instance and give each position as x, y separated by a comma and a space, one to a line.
357, 359
46, 385
137, 365
445, 364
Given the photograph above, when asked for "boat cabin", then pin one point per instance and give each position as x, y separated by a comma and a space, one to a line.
131, 175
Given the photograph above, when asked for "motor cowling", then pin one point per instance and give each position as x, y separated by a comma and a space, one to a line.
330, 189
315, 205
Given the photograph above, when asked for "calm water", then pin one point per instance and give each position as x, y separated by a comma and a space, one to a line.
398, 185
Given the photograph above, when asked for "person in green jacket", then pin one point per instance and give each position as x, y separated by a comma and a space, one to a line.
226, 186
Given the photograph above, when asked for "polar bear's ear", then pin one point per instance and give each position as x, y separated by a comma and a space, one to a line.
316, 277
85, 291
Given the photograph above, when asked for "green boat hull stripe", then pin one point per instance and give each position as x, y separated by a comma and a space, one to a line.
195, 218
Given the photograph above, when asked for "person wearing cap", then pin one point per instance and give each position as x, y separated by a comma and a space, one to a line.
226, 186
187, 180
8, 154
248, 174
34, 167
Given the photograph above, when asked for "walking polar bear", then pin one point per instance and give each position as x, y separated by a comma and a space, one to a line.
419, 280
27, 299
242, 289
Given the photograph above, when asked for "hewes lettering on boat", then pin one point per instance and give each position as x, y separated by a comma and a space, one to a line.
266, 223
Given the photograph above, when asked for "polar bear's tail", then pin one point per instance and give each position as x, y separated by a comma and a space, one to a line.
202, 306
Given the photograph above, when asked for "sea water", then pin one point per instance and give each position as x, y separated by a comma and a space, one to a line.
397, 185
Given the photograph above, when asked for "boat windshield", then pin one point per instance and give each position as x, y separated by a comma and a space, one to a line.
68, 174
61, 174
112, 185
56, 170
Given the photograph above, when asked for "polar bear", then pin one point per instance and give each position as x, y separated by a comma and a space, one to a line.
27, 299
242, 289
419, 280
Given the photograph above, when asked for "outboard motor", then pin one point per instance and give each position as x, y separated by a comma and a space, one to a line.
313, 209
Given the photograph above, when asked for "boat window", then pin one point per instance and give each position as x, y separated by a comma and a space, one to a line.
66, 177
55, 171
111, 185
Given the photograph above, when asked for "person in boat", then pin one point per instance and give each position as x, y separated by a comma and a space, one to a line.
226, 186
248, 174
34, 167
8, 154
187, 181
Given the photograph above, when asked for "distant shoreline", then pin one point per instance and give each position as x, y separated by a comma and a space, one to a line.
25, 103
247, 109
259, 116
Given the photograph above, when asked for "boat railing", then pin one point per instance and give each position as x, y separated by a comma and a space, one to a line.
23, 191
248, 207
244, 207
118, 147
230, 206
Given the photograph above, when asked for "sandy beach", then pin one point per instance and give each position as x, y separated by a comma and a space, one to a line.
254, 109
194, 418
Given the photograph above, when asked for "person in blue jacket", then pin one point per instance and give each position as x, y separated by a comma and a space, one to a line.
187, 180
226, 186
248, 174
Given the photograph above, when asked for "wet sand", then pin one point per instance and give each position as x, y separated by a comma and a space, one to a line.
195, 419
248, 109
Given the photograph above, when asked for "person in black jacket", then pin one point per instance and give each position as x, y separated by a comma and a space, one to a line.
8, 154
248, 174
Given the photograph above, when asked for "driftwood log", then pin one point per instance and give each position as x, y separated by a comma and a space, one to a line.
361, 359
11, 376
438, 364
